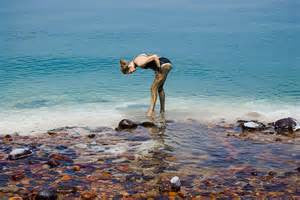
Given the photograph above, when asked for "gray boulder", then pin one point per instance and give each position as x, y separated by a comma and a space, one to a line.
286, 125
126, 124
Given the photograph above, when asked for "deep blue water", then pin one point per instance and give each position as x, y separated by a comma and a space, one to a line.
59, 59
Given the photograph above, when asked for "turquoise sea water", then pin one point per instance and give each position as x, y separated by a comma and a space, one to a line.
232, 59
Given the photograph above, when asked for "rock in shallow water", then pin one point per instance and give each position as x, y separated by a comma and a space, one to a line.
126, 124
61, 157
53, 163
19, 153
175, 184
46, 194
252, 125
88, 195
286, 125
148, 124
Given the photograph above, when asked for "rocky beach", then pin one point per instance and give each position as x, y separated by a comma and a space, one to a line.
137, 161
74, 127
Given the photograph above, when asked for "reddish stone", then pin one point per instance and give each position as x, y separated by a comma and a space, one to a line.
105, 176
66, 177
57, 156
15, 198
88, 195
18, 176
76, 168
123, 168
53, 163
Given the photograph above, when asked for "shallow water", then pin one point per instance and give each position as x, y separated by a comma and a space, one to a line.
139, 163
59, 60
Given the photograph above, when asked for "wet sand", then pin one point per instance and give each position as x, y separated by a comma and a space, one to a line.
212, 162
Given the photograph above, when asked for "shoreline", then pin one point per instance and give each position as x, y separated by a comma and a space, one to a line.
210, 111
86, 163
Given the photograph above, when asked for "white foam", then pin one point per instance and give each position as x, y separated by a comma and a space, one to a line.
33, 121
214, 111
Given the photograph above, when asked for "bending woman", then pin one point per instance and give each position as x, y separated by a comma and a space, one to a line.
161, 66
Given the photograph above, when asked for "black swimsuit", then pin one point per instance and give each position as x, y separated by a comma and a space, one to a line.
152, 64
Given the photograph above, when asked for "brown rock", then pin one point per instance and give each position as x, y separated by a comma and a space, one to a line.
92, 135
278, 139
76, 168
8, 138
91, 178
148, 124
123, 168
66, 189
53, 163
88, 195
18, 176
105, 176
172, 194
272, 173
51, 133
66, 177
164, 187
171, 158
15, 198
151, 194
61, 157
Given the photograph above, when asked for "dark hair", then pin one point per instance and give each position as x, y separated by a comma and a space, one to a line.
124, 66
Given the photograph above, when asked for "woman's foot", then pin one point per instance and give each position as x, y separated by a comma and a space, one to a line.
150, 113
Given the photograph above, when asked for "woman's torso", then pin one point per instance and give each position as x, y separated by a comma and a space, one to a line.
152, 65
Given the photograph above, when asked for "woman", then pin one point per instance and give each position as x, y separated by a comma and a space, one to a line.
161, 66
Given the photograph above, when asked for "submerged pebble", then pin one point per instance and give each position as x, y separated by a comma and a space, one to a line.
175, 184
61, 157
19, 153
53, 163
88, 195
46, 194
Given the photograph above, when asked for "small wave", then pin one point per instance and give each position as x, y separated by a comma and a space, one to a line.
39, 118
32, 104
229, 110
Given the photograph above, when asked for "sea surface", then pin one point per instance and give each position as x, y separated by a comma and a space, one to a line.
59, 61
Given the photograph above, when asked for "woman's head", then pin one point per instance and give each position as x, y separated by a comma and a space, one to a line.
124, 66
127, 67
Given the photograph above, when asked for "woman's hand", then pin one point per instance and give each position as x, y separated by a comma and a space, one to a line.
131, 68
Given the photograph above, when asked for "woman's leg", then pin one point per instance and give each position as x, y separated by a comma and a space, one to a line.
165, 70
157, 87
154, 90
161, 94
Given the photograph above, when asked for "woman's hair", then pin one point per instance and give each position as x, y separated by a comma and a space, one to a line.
124, 66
